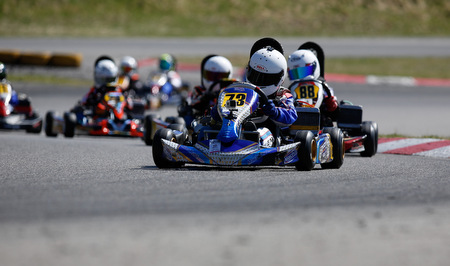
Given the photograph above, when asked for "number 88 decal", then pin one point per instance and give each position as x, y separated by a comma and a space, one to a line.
306, 91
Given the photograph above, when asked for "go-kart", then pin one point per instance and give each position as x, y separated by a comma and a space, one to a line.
162, 88
237, 142
13, 117
110, 119
359, 136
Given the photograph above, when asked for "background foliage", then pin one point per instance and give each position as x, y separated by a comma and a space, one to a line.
147, 18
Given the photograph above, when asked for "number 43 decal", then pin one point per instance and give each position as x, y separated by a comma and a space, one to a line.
238, 97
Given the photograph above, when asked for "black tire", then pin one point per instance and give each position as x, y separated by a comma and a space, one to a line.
370, 129
157, 149
337, 141
35, 129
70, 121
49, 121
148, 129
307, 152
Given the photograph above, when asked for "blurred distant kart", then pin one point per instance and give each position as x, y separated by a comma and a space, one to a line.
12, 119
160, 89
237, 142
359, 136
113, 121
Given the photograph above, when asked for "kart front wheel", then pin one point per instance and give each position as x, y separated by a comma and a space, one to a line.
370, 129
158, 149
70, 120
49, 121
337, 142
149, 129
307, 152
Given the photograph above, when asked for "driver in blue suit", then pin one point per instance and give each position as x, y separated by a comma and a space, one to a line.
267, 69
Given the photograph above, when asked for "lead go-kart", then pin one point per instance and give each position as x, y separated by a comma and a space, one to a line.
113, 122
359, 136
12, 119
235, 143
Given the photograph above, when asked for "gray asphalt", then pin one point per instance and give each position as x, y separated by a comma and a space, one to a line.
102, 201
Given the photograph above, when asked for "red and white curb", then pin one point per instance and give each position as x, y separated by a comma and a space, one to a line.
437, 148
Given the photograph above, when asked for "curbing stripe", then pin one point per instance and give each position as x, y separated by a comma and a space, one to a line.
437, 148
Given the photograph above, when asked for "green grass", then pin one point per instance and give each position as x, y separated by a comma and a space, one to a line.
150, 18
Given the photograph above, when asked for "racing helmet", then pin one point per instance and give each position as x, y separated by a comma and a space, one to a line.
167, 62
267, 69
105, 73
303, 64
214, 69
128, 65
2, 71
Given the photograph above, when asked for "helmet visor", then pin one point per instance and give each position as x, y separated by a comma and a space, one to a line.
215, 76
263, 79
165, 65
301, 72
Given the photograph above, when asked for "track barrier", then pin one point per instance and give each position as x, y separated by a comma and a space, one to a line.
15, 57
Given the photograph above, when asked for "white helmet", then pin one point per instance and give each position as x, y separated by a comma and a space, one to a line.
105, 73
267, 69
303, 64
214, 69
128, 65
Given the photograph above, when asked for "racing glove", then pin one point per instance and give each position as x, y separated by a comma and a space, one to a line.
270, 109
331, 103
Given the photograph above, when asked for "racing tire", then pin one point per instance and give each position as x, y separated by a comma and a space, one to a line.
158, 150
35, 128
370, 129
307, 152
183, 132
338, 151
70, 120
49, 121
148, 129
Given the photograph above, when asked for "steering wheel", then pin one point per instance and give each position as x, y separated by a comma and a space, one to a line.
262, 96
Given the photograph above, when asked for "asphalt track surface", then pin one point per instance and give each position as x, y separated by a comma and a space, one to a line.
102, 201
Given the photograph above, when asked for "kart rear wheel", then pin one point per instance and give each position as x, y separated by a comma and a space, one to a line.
70, 120
148, 129
158, 150
307, 152
49, 121
370, 129
337, 141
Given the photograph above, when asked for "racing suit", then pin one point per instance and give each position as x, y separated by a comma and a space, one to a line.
281, 112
